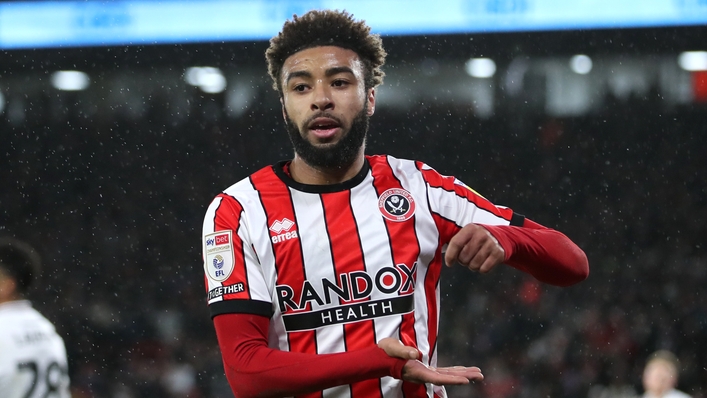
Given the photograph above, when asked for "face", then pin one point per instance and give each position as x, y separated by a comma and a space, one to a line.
658, 377
326, 105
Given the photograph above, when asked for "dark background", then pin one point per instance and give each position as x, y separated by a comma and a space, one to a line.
110, 185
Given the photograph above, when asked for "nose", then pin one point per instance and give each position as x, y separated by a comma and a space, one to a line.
321, 98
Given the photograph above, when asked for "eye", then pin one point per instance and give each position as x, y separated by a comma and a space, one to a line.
299, 87
339, 83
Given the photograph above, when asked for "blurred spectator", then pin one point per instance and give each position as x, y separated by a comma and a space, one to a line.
660, 376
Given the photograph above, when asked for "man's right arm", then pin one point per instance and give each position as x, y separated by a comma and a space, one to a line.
255, 370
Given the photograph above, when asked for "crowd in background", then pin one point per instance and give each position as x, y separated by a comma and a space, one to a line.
115, 206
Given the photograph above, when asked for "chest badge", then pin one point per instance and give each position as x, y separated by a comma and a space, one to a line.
396, 204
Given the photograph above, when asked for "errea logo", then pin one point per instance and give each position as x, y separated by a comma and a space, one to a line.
282, 228
284, 225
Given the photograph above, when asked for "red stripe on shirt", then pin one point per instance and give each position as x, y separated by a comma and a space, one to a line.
445, 228
405, 249
434, 271
228, 217
348, 257
277, 203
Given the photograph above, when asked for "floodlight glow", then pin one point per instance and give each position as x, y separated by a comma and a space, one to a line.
581, 64
2, 102
70, 80
693, 60
480, 67
207, 78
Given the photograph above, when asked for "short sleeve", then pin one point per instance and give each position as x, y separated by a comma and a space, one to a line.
233, 276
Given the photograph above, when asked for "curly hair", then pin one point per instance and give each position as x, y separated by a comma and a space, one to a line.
20, 261
327, 28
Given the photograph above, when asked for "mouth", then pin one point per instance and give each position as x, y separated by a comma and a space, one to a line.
324, 127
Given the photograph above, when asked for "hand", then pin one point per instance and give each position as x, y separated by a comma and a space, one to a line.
417, 372
475, 248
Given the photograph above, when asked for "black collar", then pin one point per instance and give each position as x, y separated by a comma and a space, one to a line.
329, 188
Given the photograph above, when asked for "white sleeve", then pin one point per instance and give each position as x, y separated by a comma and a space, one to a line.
234, 278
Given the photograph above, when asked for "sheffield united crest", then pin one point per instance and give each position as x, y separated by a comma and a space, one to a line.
396, 204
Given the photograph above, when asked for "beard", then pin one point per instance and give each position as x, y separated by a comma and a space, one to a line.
338, 155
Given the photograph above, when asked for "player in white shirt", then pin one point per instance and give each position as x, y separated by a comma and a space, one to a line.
32, 355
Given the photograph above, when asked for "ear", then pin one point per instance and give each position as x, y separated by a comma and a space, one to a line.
371, 99
284, 112
8, 289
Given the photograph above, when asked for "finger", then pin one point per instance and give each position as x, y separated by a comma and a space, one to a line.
447, 380
489, 264
457, 243
395, 348
470, 373
459, 368
450, 257
417, 372
469, 253
495, 256
492, 261
476, 241
424, 374
411, 353
399, 350
483, 254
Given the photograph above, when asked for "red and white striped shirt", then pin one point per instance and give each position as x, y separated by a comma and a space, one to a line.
339, 267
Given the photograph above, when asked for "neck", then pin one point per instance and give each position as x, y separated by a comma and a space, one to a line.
10, 298
661, 393
305, 173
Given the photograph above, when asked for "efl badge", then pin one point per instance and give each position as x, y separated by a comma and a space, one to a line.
219, 255
396, 204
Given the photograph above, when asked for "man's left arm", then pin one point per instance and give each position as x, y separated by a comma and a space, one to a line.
547, 254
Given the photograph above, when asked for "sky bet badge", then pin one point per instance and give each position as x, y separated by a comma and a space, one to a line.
219, 255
